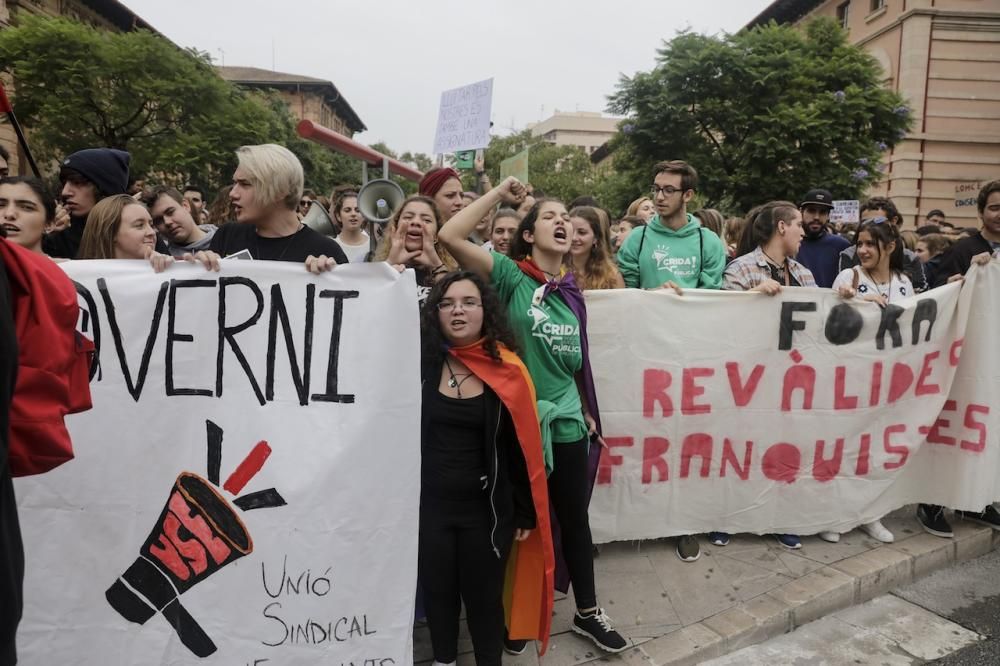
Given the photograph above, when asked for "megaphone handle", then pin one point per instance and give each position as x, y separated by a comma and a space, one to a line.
188, 629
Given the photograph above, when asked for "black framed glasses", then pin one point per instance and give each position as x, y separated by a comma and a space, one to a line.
467, 304
667, 191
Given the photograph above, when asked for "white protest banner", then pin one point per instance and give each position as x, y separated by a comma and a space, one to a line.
245, 489
464, 118
739, 412
846, 211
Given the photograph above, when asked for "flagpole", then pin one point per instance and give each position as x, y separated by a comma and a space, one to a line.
6, 107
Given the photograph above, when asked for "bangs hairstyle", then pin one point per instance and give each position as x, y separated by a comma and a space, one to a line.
762, 224
495, 328
520, 248
504, 213
385, 245
984, 195
38, 187
152, 195
102, 226
884, 233
885, 204
275, 173
689, 177
599, 272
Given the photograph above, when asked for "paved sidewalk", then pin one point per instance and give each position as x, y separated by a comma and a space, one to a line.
753, 589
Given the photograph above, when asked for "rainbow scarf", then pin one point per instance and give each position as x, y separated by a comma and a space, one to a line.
528, 589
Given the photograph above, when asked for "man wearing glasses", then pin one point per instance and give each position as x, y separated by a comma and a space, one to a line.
672, 250
882, 209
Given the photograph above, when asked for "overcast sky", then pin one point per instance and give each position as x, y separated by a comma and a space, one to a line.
392, 58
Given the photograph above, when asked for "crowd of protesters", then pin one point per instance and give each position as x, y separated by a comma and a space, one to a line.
489, 266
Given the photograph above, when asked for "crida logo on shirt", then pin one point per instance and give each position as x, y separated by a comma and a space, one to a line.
551, 333
676, 265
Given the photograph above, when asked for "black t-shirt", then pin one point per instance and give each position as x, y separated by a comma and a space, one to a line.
11, 552
453, 464
234, 237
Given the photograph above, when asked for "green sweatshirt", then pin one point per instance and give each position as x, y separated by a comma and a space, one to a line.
691, 256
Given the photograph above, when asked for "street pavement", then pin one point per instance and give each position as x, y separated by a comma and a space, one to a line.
949, 618
743, 594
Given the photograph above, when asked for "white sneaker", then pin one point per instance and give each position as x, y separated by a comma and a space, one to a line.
877, 531
832, 537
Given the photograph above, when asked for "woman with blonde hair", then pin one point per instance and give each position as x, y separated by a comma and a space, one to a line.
119, 227
642, 207
410, 241
589, 256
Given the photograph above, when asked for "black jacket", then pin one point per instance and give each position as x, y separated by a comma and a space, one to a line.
66, 243
957, 259
507, 485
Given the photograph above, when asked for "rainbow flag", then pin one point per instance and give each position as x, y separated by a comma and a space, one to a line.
528, 589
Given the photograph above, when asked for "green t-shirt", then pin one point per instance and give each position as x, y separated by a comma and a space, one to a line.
549, 334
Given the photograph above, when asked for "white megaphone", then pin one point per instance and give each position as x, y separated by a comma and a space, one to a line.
378, 200
319, 220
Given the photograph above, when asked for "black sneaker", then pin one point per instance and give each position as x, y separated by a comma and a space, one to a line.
510, 646
597, 627
687, 548
988, 516
931, 518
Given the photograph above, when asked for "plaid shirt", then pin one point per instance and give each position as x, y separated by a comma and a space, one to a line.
750, 270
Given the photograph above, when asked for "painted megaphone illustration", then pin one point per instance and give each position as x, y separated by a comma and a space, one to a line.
198, 533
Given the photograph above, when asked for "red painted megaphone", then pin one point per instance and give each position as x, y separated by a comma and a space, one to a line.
197, 534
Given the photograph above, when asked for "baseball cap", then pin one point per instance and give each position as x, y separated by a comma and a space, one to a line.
817, 197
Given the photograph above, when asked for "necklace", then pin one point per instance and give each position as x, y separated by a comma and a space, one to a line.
887, 294
781, 268
454, 381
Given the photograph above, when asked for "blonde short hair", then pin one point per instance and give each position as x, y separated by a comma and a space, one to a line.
275, 173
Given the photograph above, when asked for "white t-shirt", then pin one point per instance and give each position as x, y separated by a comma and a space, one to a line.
355, 253
898, 287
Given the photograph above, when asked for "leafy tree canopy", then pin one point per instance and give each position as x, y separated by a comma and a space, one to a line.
80, 87
763, 114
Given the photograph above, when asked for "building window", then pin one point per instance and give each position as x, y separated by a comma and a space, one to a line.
877, 5
843, 12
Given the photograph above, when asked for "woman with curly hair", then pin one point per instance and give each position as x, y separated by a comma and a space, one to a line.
482, 480
589, 257
547, 311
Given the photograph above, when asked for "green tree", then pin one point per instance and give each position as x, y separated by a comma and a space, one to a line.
763, 114
136, 91
564, 172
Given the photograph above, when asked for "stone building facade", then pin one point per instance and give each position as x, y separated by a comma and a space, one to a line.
943, 56
107, 14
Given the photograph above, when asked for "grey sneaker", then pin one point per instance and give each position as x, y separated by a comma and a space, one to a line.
687, 548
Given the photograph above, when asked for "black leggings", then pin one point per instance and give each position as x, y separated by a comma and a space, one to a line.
569, 498
457, 564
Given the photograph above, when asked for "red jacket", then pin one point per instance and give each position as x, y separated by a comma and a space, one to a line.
53, 377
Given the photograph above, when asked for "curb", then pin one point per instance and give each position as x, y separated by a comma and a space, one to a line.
832, 588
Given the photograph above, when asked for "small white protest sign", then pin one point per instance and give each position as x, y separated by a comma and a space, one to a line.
464, 118
847, 210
